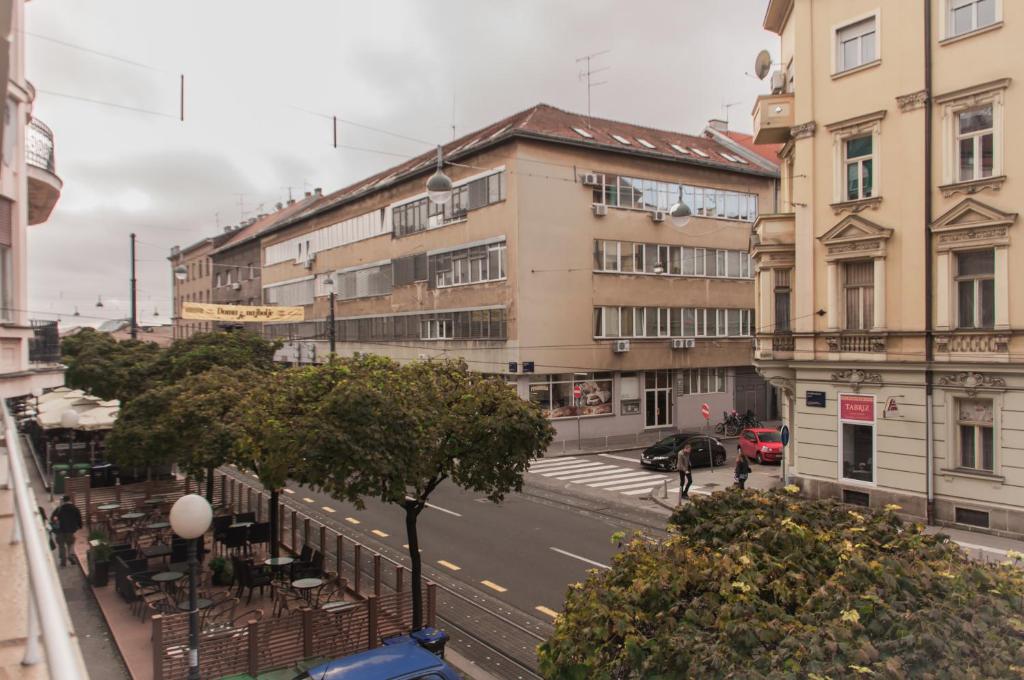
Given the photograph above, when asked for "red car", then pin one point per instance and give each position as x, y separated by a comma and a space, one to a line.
763, 444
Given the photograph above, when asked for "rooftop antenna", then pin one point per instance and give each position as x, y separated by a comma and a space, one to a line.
588, 72
289, 192
726, 107
453, 112
241, 205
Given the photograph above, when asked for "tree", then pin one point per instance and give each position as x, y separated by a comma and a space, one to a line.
202, 351
143, 435
765, 585
108, 368
397, 432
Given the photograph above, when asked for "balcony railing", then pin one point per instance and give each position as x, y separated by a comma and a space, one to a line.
976, 342
39, 146
783, 342
856, 342
44, 346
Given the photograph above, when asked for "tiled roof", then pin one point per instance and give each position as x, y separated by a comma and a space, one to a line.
548, 123
254, 229
769, 152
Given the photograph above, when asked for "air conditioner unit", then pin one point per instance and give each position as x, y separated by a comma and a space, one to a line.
600, 209
678, 343
778, 82
236, 286
592, 179
658, 216
690, 343
620, 346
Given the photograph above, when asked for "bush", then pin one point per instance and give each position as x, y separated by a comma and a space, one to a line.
763, 585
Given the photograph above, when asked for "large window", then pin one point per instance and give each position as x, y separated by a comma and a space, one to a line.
702, 380
975, 143
365, 282
421, 214
856, 45
626, 257
783, 294
668, 322
657, 398
859, 164
554, 394
859, 289
478, 324
292, 294
647, 194
468, 265
857, 437
975, 280
341, 233
970, 15
976, 441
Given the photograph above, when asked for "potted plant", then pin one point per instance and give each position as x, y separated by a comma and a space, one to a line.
223, 574
99, 556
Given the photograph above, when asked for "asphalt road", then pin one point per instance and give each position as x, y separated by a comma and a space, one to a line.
523, 552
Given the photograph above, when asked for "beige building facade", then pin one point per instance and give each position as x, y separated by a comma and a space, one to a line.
197, 284
886, 280
555, 264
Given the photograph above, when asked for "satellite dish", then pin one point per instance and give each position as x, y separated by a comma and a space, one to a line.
762, 64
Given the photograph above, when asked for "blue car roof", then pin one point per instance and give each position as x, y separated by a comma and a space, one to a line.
393, 661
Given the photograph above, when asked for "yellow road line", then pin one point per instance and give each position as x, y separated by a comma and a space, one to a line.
309, 500
453, 567
378, 532
406, 546
328, 509
288, 491
544, 610
352, 520
494, 586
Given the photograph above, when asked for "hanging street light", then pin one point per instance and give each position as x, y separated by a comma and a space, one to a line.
439, 186
99, 301
680, 214
180, 272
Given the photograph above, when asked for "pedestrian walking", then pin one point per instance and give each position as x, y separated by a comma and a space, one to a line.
742, 470
685, 470
66, 520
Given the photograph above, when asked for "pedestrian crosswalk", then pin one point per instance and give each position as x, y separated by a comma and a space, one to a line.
598, 473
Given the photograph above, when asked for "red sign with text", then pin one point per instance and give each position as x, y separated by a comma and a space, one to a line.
860, 407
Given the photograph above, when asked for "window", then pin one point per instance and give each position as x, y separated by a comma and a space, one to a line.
338, 234
974, 143
422, 214
554, 394
970, 15
365, 282
645, 143
976, 441
702, 380
658, 398
583, 133
680, 149
858, 163
857, 435
975, 281
643, 194
621, 140
464, 266
856, 45
859, 289
670, 322
435, 329
782, 299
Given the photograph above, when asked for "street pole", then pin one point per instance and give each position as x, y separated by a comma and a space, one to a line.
193, 613
135, 320
331, 332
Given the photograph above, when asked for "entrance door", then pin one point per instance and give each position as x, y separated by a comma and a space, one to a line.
658, 398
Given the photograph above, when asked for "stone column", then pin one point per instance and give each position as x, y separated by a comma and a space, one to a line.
833, 296
1002, 292
879, 323
943, 284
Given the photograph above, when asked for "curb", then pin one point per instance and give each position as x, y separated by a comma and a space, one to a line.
465, 666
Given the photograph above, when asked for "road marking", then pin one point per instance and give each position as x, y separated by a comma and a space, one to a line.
309, 500
612, 455
435, 507
601, 476
550, 461
406, 546
287, 490
562, 468
603, 470
453, 567
352, 520
647, 484
494, 586
328, 509
637, 492
378, 532
636, 476
590, 467
561, 464
577, 557
544, 610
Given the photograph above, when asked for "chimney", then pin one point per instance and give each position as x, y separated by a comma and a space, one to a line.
308, 194
279, 205
718, 124
291, 201
318, 191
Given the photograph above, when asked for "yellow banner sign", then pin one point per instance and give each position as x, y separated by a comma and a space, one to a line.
202, 312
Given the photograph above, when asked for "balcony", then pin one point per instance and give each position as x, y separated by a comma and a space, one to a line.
773, 117
44, 345
854, 342
44, 186
973, 346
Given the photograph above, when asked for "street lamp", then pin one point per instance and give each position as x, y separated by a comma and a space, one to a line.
680, 214
329, 285
190, 518
439, 186
180, 272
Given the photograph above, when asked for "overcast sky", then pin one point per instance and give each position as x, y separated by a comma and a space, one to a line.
250, 65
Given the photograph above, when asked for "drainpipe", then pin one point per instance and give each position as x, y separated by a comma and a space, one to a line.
929, 347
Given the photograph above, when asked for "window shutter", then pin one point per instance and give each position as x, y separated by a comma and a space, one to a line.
6, 213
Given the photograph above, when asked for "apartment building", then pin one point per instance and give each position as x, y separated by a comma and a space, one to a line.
29, 190
555, 264
884, 282
236, 261
195, 264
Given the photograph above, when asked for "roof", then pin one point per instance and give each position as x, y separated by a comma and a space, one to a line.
254, 229
207, 240
769, 152
547, 123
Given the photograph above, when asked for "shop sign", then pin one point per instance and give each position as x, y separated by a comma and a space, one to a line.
857, 407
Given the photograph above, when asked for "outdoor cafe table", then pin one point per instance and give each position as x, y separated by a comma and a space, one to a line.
152, 551
157, 525
306, 585
276, 564
201, 603
106, 507
167, 578
132, 516
238, 525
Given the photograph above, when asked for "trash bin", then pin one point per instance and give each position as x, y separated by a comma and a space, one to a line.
80, 469
102, 474
431, 639
61, 471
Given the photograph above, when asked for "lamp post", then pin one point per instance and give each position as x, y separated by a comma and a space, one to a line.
135, 306
190, 518
577, 379
329, 285
69, 421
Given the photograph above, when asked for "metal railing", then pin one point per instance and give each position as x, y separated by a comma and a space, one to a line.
39, 146
44, 346
47, 609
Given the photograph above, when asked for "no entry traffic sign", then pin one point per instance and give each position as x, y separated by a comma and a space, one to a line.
705, 410
577, 391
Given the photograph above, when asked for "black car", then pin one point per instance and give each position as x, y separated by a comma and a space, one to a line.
662, 456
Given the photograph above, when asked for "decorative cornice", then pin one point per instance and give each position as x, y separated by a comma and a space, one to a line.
856, 377
914, 100
972, 382
973, 90
856, 206
988, 233
803, 130
973, 187
873, 117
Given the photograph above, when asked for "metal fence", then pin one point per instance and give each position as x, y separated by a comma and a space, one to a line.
39, 146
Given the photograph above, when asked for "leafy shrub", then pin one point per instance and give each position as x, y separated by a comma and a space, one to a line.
764, 585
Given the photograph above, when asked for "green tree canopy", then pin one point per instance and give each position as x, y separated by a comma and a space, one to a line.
108, 368
397, 432
144, 435
762, 585
202, 351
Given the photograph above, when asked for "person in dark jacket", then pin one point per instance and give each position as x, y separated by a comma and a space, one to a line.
66, 519
742, 469
685, 469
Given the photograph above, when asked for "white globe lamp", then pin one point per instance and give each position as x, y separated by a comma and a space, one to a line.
191, 516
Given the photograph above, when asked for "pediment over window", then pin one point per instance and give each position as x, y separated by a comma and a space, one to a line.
972, 223
855, 236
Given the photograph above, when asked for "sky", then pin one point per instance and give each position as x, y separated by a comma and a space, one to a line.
262, 79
